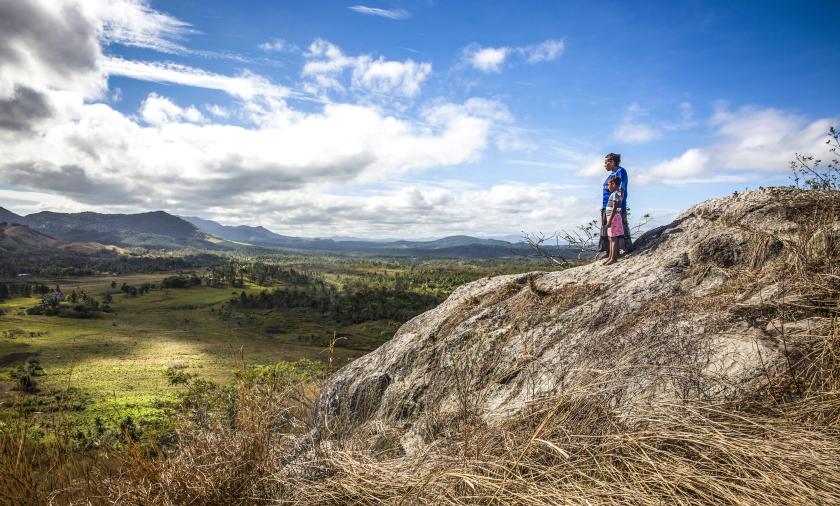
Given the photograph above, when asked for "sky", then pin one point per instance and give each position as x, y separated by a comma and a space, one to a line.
406, 119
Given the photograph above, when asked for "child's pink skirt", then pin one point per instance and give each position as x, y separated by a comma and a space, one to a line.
617, 228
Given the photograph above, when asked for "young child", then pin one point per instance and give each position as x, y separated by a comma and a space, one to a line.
615, 227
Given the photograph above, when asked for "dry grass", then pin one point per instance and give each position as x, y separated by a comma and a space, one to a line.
780, 446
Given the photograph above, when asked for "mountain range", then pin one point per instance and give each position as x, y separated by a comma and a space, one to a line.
21, 239
161, 230
452, 246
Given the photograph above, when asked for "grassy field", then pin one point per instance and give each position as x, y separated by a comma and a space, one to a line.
113, 366
101, 370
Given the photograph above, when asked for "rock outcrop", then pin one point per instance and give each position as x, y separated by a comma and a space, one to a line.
692, 314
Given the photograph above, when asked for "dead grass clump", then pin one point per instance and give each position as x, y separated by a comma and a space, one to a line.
574, 449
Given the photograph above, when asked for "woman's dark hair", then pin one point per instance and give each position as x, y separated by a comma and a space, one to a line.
614, 157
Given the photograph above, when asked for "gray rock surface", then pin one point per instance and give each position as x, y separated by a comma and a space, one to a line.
689, 315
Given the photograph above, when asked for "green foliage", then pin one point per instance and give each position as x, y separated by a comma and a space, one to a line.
79, 304
180, 281
12, 290
24, 375
175, 376
62, 264
285, 373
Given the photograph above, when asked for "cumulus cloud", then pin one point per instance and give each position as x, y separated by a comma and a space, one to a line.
61, 136
23, 109
749, 140
46, 46
492, 59
217, 110
157, 110
327, 63
179, 159
486, 59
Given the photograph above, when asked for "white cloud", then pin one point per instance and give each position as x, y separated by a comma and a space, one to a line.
27, 202
175, 162
157, 110
492, 59
748, 141
245, 86
279, 46
765, 140
547, 50
631, 130
691, 164
326, 64
134, 23
486, 59
382, 13
217, 110
593, 166
414, 210
273, 45
65, 140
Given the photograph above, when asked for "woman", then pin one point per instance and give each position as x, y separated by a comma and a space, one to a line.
612, 165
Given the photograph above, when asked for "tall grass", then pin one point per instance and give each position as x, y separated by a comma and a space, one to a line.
256, 443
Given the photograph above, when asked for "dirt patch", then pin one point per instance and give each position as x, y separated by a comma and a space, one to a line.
14, 358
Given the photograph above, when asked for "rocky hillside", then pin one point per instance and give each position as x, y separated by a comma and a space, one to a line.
693, 314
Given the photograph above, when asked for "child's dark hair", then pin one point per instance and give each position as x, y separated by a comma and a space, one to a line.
615, 179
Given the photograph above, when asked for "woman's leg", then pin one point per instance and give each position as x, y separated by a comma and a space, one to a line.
627, 241
603, 240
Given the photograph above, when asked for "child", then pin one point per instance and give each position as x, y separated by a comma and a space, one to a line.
615, 227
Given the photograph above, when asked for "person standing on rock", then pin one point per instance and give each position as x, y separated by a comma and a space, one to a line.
615, 225
612, 164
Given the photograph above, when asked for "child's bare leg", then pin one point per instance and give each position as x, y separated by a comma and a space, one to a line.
613, 251
608, 260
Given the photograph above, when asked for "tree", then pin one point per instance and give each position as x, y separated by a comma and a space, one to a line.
583, 240
808, 171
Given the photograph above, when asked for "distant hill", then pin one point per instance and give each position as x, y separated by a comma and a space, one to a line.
453, 246
243, 233
156, 229
9, 217
20, 239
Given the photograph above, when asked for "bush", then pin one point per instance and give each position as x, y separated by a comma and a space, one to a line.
25, 375
180, 281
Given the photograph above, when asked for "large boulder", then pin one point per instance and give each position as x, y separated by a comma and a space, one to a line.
692, 315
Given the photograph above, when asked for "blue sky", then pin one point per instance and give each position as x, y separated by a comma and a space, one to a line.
406, 119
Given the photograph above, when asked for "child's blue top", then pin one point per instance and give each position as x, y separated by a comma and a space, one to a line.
621, 174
